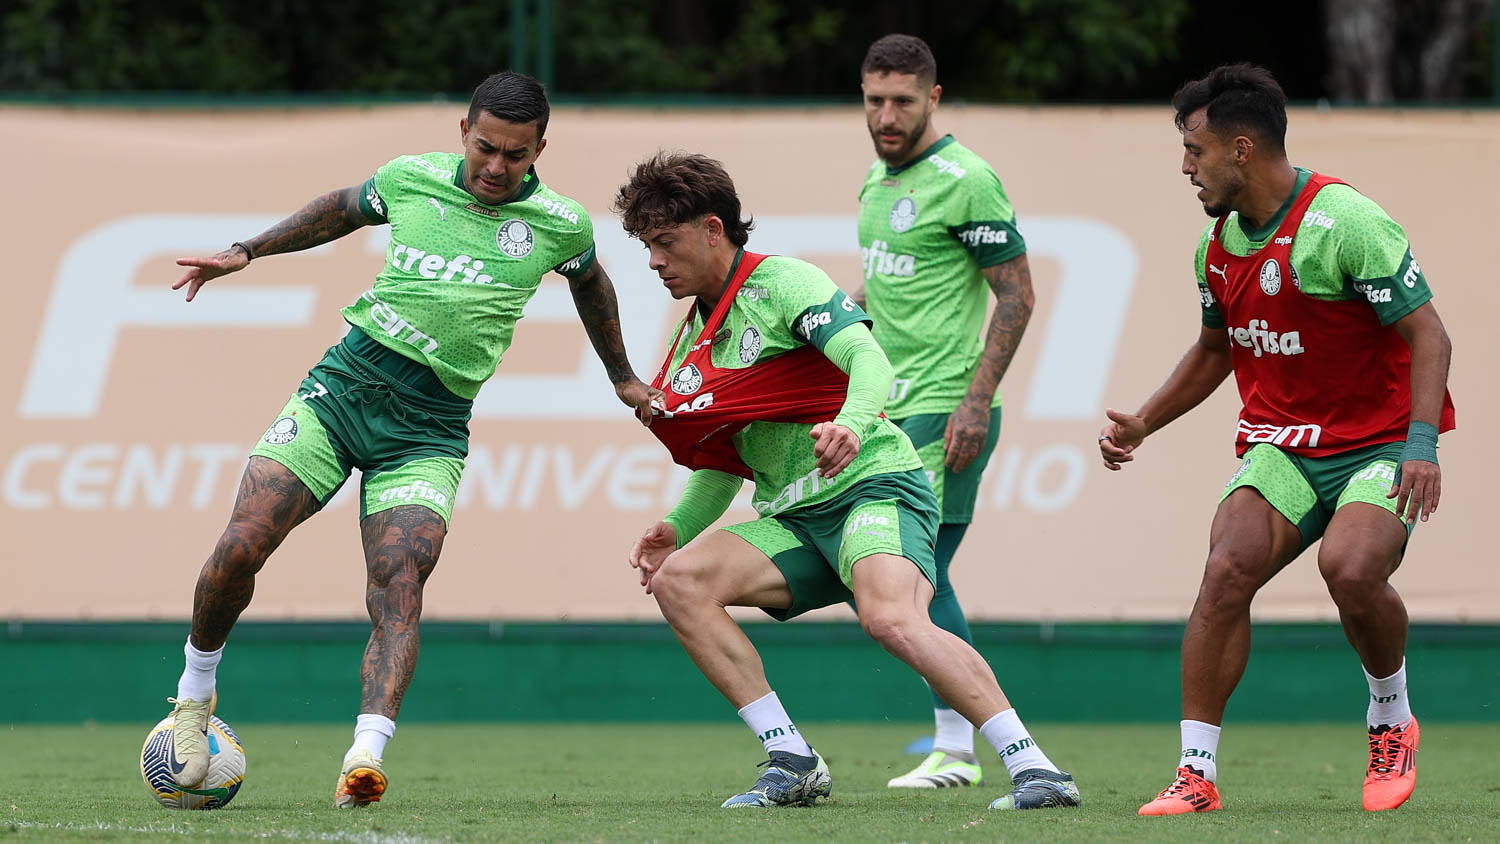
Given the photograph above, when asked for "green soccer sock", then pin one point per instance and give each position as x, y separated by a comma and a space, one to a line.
944, 610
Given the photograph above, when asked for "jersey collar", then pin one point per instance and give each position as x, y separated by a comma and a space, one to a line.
529, 183
936, 145
1272, 224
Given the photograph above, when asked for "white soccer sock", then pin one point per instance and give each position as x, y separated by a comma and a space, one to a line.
1389, 705
1200, 748
767, 718
1017, 749
954, 732
371, 732
197, 680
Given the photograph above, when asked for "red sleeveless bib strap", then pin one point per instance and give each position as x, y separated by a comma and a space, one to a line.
1317, 377
707, 405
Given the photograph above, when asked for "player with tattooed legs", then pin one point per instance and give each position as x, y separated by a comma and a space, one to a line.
472, 235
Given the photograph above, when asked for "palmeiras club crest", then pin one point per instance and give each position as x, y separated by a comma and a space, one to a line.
514, 238
687, 380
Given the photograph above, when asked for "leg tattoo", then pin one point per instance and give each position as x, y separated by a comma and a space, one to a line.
401, 549
271, 502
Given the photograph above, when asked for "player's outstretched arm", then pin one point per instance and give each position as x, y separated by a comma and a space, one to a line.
1198, 374
1418, 478
594, 297
1014, 300
327, 218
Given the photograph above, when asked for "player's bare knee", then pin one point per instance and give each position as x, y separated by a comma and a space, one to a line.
402, 546
242, 548
681, 581
1231, 578
890, 624
1352, 575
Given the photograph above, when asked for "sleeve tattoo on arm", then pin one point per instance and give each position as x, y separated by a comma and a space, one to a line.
594, 297
325, 219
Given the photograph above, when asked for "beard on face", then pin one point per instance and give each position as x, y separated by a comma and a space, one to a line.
905, 151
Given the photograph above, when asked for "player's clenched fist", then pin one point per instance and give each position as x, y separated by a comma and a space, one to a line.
835, 447
651, 550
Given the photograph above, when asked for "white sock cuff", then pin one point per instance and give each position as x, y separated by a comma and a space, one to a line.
378, 723
754, 703
201, 659
1373, 679
1202, 726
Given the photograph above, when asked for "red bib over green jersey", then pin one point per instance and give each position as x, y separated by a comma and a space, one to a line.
1316, 377
707, 405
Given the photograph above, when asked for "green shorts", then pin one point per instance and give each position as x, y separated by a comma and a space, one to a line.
1309, 490
366, 407
956, 491
816, 547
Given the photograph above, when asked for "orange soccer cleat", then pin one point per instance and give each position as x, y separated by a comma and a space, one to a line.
361, 783
1190, 792
1393, 766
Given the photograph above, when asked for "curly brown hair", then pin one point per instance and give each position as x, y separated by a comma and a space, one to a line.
672, 188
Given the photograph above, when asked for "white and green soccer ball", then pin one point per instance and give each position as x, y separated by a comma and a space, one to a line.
226, 768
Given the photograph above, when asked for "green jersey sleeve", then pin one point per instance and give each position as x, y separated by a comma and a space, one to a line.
1212, 317
1373, 254
581, 244
811, 307
370, 202
983, 221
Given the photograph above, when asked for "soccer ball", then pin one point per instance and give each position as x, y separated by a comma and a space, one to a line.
226, 768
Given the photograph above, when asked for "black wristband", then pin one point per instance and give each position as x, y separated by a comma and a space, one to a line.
249, 256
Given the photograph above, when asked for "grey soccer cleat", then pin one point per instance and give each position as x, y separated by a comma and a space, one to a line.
1039, 788
789, 780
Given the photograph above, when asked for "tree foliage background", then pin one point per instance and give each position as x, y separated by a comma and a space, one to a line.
1003, 51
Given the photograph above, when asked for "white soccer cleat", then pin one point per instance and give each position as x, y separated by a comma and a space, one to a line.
941, 769
189, 752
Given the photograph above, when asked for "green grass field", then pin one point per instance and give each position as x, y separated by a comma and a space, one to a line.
653, 782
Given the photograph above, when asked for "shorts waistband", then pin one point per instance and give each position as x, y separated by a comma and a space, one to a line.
399, 368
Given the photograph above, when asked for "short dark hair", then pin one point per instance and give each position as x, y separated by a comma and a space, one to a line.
672, 188
1241, 99
897, 53
512, 97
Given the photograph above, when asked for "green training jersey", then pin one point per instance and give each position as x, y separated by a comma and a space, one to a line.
1346, 248
458, 272
926, 229
784, 304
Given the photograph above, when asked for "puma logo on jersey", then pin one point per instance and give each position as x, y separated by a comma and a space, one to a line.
1221, 271
442, 212
1258, 337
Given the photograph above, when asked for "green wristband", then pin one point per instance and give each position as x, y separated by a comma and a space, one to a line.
1421, 442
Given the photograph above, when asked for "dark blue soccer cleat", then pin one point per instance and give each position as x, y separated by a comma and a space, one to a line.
789, 780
